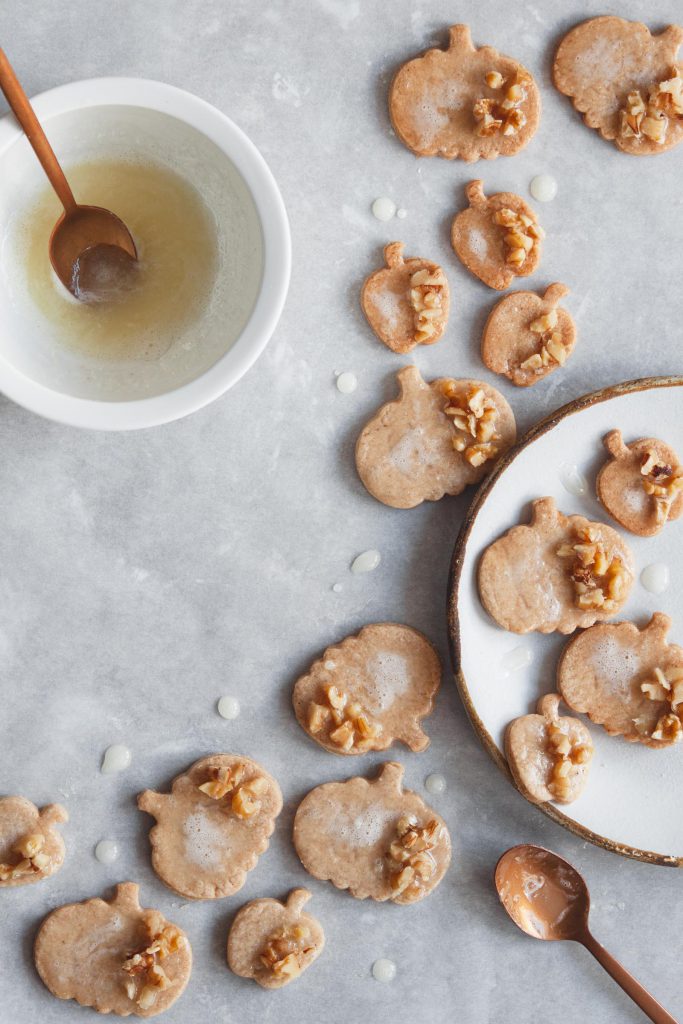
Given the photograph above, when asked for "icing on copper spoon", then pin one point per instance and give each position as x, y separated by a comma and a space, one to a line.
548, 899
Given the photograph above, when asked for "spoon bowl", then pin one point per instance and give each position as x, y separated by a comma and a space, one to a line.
83, 229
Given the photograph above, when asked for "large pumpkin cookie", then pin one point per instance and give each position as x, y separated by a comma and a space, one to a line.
113, 955
497, 238
373, 838
213, 825
435, 439
628, 680
464, 103
641, 485
30, 847
625, 81
558, 573
370, 690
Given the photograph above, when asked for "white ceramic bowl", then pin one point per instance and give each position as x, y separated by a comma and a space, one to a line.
90, 119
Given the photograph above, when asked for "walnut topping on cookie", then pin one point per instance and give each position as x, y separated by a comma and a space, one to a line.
641, 485
244, 801
474, 415
598, 574
521, 233
347, 722
30, 847
411, 856
666, 686
662, 481
146, 978
650, 118
427, 300
502, 113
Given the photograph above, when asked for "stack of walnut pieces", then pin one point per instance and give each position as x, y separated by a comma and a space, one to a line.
287, 951
244, 802
426, 298
552, 348
666, 686
566, 757
650, 117
146, 978
410, 859
598, 577
474, 417
502, 114
31, 858
662, 482
346, 723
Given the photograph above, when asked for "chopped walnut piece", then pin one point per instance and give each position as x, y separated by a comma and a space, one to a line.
286, 951
244, 802
352, 725
31, 857
666, 687
474, 417
651, 117
522, 233
410, 856
567, 758
222, 781
501, 113
668, 729
552, 349
662, 482
597, 576
146, 979
230, 780
426, 298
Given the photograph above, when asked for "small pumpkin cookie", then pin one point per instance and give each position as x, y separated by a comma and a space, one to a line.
407, 302
527, 336
373, 838
464, 103
370, 690
436, 438
30, 847
641, 485
626, 679
548, 755
558, 573
213, 826
113, 955
274, 942
625, 81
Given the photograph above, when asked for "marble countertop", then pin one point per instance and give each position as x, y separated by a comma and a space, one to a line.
144, 575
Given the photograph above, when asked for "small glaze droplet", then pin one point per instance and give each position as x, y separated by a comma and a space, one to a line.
116, 759
384, 208
435, 783
228, 707
384, 970
543, 188
337, 588
366, 561
106, 851
328, 665
401, 213
347, 383
516, 659
655, 577
573, 480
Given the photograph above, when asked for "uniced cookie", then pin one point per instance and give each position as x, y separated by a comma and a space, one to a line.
370, 690
625, 81
113, 955
373, 838
497, 238
641, 484
407, 302
527, 336
463, 102
213, 826
548, 755
272, 942
557, 573
30, 847
436, 438
626, 679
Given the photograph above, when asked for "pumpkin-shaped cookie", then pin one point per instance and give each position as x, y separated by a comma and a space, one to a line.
464, 103
406, 302
549, 755
558, 573
274, 942
370, 690
434, 439
497, 238
641, 484
527, 336
373, 838
626, 679
625, 81
30, 846
213, 826
113, 955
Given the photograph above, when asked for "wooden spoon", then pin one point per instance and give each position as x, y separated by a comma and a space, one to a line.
90, 230
548, 899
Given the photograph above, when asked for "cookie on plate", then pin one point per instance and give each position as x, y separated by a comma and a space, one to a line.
30, 847
213, 826
464, 103
527, 336
373, 838
436, 438
272, 942
113, 955
497, 238
558, 573
626, 679
641, 484
407, 302
625, 81
549, 755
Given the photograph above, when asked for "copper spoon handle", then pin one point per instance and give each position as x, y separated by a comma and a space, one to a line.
25, 115
648, 1004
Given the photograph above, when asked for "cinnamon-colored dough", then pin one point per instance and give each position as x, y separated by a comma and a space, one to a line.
619, 484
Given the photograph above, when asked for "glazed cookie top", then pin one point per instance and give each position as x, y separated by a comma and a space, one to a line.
625, 81
435, 439
464, 102
370, 690
213, 825
641, 485
30, 846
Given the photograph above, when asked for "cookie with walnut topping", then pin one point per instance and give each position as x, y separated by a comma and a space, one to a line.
30, 847
641, 484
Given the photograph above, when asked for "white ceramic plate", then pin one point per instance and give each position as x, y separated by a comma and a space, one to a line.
632, 803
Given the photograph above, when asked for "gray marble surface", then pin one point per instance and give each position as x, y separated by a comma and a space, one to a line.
142, 576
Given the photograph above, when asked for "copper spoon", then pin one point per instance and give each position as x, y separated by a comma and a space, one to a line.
89, 230
548, 899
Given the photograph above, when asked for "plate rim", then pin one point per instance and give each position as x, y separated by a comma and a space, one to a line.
538, 429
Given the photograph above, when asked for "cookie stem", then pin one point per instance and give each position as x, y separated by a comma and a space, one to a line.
460, 37
297, 900
554, 293
393, 254
475, 193
614, 443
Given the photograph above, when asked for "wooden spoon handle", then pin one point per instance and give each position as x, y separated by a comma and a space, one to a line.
25, 115
648, 1004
